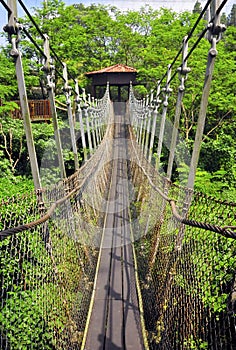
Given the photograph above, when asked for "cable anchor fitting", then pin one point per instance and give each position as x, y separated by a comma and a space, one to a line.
213, 51
183, 70
50, 81
13, 36
14, 50
215, 28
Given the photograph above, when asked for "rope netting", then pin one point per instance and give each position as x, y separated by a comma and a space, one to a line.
184, 246
183, 239
187, 274
47, 268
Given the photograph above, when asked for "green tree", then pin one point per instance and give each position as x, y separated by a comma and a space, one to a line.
88, 38
8, 84
232, 16
197, 7
223, 18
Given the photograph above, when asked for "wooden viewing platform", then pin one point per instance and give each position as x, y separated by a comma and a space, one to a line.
114, 320
39, 110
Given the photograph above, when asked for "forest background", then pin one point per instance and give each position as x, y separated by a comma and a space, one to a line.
92, 37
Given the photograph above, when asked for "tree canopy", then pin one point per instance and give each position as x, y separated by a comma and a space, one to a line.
92, 37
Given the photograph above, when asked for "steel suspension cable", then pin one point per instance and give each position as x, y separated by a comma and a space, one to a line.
6, 6
62, 77
196, 43
198, 19
34, 42
188, 37
42, 36
55, 55
227, 231
191, 34
219, 10
206, 29
32, 19
42, 52
190, 51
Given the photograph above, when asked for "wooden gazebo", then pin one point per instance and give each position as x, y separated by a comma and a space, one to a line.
117, 75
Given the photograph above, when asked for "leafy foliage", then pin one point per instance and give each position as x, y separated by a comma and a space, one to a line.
87, 39
148, 40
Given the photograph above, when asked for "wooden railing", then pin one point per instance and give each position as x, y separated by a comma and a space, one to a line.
39, 110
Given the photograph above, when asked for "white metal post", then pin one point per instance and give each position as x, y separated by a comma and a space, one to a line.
13, 29
167, 90
67, 92
48, 68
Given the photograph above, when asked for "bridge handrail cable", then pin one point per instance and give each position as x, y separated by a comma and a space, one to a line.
6, 6
55, 55
227, 231
188, 37
14, 230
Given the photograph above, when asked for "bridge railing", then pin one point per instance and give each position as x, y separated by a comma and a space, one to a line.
49, 239
91, 115
48, 265
186, 273
183, 241
39, 110
149, 115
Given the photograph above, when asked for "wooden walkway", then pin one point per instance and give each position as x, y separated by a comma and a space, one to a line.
115, 318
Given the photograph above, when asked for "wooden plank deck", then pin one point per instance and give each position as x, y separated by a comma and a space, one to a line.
115, 318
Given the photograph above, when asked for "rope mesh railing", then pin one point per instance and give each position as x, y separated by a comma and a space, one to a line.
45, 281
183, 242
187, 275
47, 271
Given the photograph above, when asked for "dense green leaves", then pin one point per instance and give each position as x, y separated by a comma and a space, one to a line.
87, 39
91, 37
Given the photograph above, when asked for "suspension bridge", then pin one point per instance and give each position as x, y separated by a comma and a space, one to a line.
116, 256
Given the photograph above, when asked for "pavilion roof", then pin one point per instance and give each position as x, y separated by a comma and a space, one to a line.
117, 68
